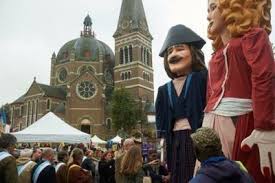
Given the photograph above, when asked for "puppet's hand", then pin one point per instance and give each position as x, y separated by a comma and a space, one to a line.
266, 144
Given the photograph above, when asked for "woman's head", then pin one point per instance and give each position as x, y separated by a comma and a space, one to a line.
132, 161
107, 156
237, 17
76, 156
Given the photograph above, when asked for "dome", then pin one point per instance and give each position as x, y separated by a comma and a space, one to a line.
85, 48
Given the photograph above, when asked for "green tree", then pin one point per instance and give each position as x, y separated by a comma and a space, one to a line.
124, 110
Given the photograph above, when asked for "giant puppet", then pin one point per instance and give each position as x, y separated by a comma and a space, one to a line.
180, 102
240, 93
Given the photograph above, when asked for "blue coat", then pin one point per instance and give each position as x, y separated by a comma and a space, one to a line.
221, 170
195, 101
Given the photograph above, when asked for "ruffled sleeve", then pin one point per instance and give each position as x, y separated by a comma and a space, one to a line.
259, 56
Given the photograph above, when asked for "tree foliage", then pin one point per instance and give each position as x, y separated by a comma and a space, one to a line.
124, 110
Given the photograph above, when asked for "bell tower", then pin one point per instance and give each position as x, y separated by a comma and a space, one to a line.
133, 51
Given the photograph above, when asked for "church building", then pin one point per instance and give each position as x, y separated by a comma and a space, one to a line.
85, 72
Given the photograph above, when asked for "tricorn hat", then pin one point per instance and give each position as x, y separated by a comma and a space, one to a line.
181, 34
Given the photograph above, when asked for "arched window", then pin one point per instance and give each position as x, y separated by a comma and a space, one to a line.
126, 54
141, 55
21, 110
48, 104
36, 109
148, 57
131, 53
144, 56
122, 76
129, 75
28, 113
109, 123
126, 76
32, 116
121, 55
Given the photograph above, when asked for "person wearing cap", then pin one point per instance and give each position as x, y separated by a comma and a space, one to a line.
215, 167
180, 102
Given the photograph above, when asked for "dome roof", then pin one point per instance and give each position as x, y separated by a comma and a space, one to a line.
85, 48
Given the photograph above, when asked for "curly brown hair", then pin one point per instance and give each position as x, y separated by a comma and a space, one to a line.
242, 15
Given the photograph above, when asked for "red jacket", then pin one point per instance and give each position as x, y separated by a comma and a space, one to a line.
245, 72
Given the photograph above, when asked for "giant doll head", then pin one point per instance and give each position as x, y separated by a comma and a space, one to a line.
237, 17
182, 52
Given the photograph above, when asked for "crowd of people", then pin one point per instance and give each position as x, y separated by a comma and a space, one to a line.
79, 164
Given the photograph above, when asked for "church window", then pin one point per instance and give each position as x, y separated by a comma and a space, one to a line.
86, 89
122, 76
147, 57
121, 55
48, 104
36, 109
141, 56
125, 76
129, 75
28, 113
21, 110
87, 54
144, 56
131, 53
62, 75
32, 118
109, 123
126, 55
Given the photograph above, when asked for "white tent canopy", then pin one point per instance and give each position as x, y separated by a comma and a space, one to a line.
116, 139
51, 128
96, 140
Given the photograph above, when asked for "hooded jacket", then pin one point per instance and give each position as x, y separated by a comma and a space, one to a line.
221, 170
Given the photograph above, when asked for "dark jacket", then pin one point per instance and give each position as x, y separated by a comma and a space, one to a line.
106, 171
47, 174
8, 170
89, 165
155, 173
221, 170
193, 105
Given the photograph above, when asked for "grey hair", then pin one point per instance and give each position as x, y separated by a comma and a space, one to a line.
7, 140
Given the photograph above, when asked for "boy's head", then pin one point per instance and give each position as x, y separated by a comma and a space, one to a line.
206, 143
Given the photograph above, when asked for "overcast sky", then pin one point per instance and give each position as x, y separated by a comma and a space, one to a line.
31, 30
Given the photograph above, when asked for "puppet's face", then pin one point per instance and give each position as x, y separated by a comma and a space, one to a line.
179, 59
216, 22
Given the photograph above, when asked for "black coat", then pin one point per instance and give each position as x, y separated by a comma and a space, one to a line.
47, 175
89, 165
106, 171
156, 176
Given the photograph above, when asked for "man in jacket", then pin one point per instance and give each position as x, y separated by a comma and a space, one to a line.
44, 171
8, 171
